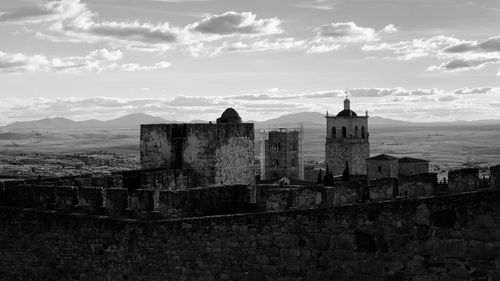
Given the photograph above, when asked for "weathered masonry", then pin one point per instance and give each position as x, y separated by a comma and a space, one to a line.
452, 237
282, 155
347, 141
221, 153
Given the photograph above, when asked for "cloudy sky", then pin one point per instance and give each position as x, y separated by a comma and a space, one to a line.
417, 60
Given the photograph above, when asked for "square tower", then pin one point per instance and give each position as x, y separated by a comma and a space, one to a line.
347, 141
282, 155
221, 153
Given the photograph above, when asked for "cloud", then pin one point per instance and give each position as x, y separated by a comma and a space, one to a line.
447, 98
408, 50
397, 103
319, 4
458, 55
97, 60
473, 91
382, 92
262, 45
492, 44
323, 48
231, 23
73, 21
346, 32
463, 64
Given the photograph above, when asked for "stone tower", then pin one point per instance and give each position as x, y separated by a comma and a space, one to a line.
347, 140
282, 155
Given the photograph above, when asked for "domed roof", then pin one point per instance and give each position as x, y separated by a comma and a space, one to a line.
347, 113
229, 116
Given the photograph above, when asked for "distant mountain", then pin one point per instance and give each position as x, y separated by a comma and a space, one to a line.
127, 121
315, 119
307, 119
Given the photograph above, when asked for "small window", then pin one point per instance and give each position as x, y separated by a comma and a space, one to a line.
379, 169
356, 133
344, 132
293, 161
363, 133
334, 133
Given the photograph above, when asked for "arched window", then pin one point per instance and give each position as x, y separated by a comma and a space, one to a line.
363, 133
276, 163
293, 161
356, 133
334, 133
344, 132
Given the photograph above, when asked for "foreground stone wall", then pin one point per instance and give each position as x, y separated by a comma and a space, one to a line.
453, 237
463, 180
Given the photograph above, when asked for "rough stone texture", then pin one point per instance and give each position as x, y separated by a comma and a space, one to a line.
443, 238
418, 185
142, 200
272, 198
351, 150
202, 149
495, 176
383, 189
116, 200
195, 202
413, 168
282, 155
354, 147
463, 180
165, 179
235, 162
66, 197
90, 198
382, 168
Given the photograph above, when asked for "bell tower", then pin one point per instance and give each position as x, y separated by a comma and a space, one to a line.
347, 141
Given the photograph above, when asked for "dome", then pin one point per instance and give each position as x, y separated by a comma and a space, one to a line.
229, 116
347, 113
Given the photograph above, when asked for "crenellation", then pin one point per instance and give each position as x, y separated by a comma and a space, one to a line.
463, 180
495, 176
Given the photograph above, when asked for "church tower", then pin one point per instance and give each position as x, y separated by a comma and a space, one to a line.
347, 140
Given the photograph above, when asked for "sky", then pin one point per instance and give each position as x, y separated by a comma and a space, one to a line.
413, 60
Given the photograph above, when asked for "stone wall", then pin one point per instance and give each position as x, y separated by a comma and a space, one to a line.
495, 176
121, 202
418, 185
383, 189
463, 180
444, 238
273, 198
413, 168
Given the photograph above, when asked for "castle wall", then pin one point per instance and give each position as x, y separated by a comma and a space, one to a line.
463, 180
383, 189
444, 238
418, 185
495, 176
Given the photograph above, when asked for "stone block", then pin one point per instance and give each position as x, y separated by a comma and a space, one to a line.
463, 180
90, 198
495, 176
141, 200
21, 196
116, 200
66, 197
44, 197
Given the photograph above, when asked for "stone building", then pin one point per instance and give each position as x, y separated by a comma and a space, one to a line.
409, 166
221, 153
382, 166
347, 141
282, 155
